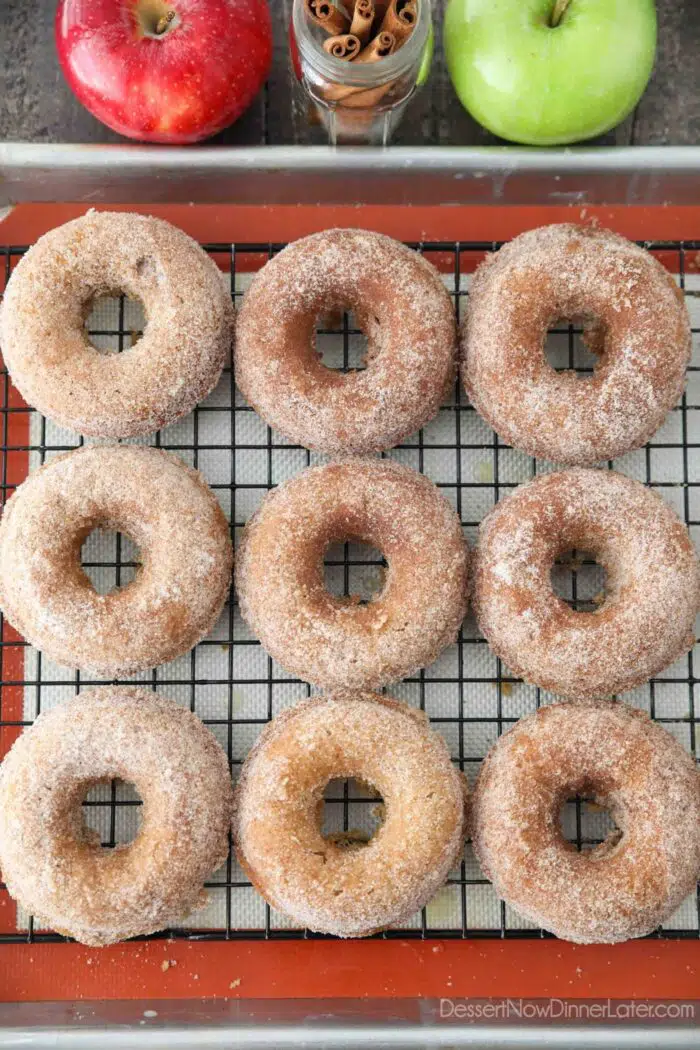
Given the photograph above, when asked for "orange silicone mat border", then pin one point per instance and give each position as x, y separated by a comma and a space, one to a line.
325, 968
224, 223
350, 970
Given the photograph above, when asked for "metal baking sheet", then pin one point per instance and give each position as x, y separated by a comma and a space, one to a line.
294, 175
329, 1025
230, 682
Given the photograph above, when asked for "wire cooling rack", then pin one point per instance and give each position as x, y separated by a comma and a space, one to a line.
235, 687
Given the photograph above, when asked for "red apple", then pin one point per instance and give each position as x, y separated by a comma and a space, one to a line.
163, 71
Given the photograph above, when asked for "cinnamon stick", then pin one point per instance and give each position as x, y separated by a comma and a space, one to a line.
326, 15
400, 19
383, 45
362, 19
359, 98
346, 47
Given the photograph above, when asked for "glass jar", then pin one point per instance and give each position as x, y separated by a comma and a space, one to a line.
359, 103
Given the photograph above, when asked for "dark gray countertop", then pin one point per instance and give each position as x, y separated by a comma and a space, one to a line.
37, 106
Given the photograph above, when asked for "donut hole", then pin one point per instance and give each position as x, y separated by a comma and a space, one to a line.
587, 825
111, 813
343, 341
114, 322
110, 560
355, 572
574, 345
353, 812
579, 580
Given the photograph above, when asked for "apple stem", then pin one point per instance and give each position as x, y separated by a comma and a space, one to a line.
165, 20
558, 12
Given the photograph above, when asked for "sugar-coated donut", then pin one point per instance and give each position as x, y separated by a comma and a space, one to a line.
338, 642
652, 588
175, 364
161, 504
641, 873
55, 867
403, 306
636, 321
279, 804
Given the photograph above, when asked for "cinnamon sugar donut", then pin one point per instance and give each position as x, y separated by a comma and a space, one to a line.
651, 595
337, 642
173, 366
279, 804
641, 873
54, 865
636, 321
152, 497
405, 311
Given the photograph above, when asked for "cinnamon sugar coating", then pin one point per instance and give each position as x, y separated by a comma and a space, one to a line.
652, 586
632, 882
637, 323
161, 504
401, 303
337, 642
55, 867
176, 363
279, 801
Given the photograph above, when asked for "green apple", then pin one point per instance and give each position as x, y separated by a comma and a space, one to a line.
550, 72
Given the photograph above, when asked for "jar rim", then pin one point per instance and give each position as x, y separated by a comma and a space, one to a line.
364, 74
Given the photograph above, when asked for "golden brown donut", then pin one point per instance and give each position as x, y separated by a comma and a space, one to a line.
161, 504
54, 865
337, 642
279, 802
173, 366
641, 873
399, 300
652, 587
637, 322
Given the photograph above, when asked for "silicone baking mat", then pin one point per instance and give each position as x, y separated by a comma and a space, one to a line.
231, 683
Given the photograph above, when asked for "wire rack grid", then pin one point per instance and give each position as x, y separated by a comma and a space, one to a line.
236, 688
